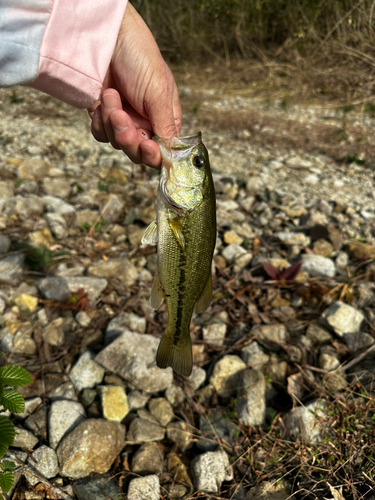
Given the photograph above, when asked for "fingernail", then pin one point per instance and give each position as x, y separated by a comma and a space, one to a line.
110, 101
118, 123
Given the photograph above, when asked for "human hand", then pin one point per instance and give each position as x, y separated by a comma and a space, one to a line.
139, 96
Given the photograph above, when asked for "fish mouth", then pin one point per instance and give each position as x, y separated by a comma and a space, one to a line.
179, 143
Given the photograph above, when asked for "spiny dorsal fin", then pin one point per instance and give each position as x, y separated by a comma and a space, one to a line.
176, 227
204, 300
151, 234
157, 293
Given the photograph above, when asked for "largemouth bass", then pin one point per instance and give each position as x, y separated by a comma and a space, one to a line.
185, 232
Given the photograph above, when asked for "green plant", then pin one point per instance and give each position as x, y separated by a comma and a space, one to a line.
11, 377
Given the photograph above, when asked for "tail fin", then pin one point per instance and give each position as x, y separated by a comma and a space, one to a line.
178, 356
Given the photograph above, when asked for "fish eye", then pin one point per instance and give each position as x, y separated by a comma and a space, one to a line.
198, 161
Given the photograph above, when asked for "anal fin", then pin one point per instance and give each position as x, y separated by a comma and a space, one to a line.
176, 227
204, 300
157, 293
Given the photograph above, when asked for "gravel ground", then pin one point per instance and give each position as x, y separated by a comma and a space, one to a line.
284, 358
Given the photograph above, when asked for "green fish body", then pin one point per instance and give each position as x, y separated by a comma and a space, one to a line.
185, 232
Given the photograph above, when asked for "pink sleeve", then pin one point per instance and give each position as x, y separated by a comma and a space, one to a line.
76, 49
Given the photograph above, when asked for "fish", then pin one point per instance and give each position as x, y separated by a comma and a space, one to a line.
185, 233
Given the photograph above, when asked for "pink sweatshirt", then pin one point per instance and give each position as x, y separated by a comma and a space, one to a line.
61, 47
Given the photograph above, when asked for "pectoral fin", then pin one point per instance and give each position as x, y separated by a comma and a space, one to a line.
176, 227
157, 293
151, 234
204, 300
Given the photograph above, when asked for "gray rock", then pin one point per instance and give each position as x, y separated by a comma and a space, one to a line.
217, 424
21, 343
210, 470
342, 261
57, 224
63, 417
112, 208
344, 319
298, 163
31, 405
90, 447
233, 252
5, 243
224, 376
271, 335
299, 240
53, 333
146, 415
83, 319
162, 410
86, 373
215, 333
197, 377
33, 169
88, 397
318, 334
6, 189
54, 288
122, 269
148, 459
254, 356
124, 322
358, 341
182, 434
328, 359
63, 391
317, 265
44, 459
144, 431
11, 267
92, 287
115, 404
98, 488
175, 395
251, 397
137, 399
57, 205
269, 490
57, 187
24, 439
132, 356
37, 423
307, 422
144, 487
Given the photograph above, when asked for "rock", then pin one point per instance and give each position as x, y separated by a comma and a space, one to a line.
5, 243
175, 395
90, 447
361, 251
37, 423
344, 319
251, 397
27, 302
57, 187
144, 487
307, 422
88, 397
6, 189
124, 322
197, 377
254, 356
146, 415
44, 459
63, 391
111, 208
63, 417
54, 288
322, 247
86, 373
83, 319
144, 431
215, 425
24, 439
11, 267
148, 459
335, 381
97, 488
298, 163
58, 206
21, 343
210, 470
162, 410
132, 356
182, 434
57, 225
356, 342
317, 334
232, 238
122, 269
114, 403
215, 333
224, 376
30, 406
269, 490
328, 359
316, 265
86, 218
137, 399
232, 252
294, 239
53, 333
33, 169
271, 335
92, 287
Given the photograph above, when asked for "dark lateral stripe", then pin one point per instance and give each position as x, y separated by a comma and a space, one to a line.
180, 298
